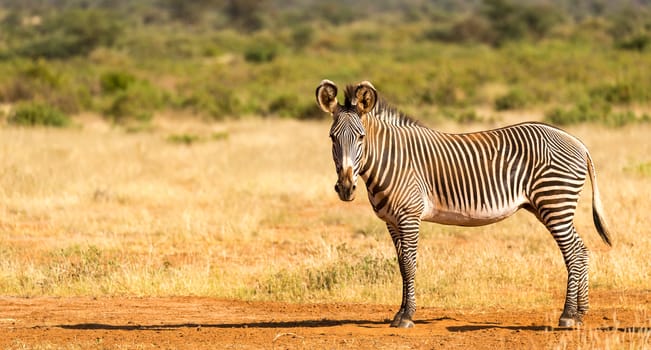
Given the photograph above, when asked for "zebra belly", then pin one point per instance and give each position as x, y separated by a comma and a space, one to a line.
465, 219
486, 216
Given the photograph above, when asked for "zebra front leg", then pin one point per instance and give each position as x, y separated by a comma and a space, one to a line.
405, 240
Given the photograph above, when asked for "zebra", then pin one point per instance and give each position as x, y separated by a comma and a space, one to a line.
413, 174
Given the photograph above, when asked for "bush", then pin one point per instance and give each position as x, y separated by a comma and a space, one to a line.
510, 20
112, 82
261, 51
310, 111
512, 100
302, 36
469, 29
137, 102
445, 92
637, 42
593, 112
461, 116
210, 98
619, 119
71, 33
613, 93
291, 106
48, 83
35, 114
587, 111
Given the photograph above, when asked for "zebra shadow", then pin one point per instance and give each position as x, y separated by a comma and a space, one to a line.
472, 328
253, 325
480, 327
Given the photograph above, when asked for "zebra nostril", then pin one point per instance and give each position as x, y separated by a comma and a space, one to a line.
337, 188
354, 187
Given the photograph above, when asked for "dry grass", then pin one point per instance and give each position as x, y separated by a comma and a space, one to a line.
251, 214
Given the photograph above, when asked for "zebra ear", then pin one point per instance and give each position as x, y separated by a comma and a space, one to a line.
326, 96
366, 97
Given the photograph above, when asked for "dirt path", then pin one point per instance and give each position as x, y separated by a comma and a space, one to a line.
205, 323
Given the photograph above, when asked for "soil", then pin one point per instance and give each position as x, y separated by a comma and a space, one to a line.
207, 323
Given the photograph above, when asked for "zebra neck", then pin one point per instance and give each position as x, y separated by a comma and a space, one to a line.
386, 140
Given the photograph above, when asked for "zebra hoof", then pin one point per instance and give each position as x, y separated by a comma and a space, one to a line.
403, 323
568, 322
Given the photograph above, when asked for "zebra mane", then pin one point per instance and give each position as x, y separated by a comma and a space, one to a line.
383, 111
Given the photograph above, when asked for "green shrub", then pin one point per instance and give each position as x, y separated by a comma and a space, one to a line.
31, 80
127, 106
445, 93
35, 114
637, 42
210, 98
510, 20
473, 28
621, 93
292, 106
52, 84
465, 116
115, 81
138, 102
514, 99
302, 36
309, 111
285, 105
587, 111
70, 33
334, 12
261, 51
619, 119
43, 72
593, 112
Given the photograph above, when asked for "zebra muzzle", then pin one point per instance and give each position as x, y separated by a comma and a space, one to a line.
346, 187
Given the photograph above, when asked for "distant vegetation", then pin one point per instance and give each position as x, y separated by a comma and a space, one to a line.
584, 61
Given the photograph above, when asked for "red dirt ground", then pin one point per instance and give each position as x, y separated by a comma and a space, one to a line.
206, 323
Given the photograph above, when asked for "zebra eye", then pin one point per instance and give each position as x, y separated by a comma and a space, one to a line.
360, 138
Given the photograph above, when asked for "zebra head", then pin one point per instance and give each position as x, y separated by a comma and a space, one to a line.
347, 132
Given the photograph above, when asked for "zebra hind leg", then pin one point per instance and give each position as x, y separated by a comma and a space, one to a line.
575, 255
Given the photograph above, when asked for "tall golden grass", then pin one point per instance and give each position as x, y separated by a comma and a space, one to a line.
252, 214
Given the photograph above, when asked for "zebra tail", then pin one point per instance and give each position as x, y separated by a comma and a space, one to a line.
597, 209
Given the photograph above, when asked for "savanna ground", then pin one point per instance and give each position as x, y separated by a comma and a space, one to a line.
235, 239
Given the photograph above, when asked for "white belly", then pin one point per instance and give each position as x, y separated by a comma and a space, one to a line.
468, 218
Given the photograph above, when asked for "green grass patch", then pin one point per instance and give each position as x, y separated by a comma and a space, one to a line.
184, 139
219, 135
641, 169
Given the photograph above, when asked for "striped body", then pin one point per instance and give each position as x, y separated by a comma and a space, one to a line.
413, 174
469, 179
